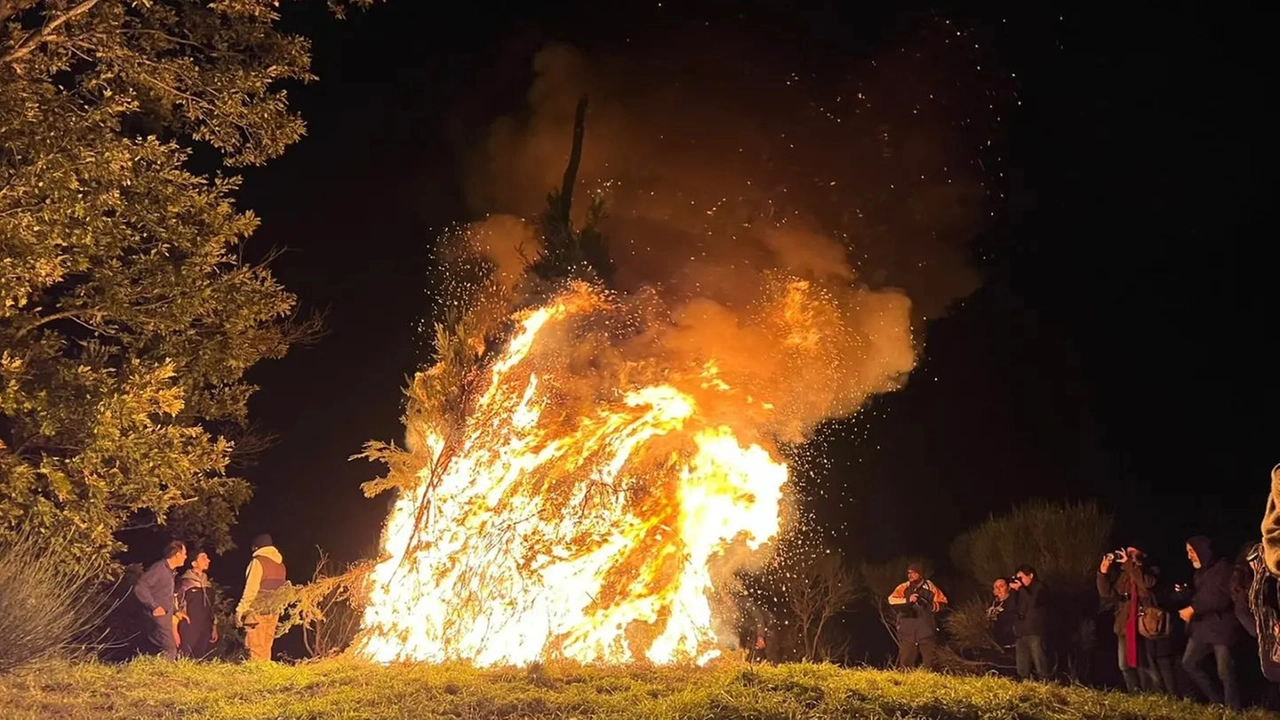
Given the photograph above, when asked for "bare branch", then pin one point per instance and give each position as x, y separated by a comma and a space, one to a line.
36, 38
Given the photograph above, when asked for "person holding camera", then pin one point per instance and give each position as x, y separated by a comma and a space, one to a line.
916, 602
1124, 583
1028, 625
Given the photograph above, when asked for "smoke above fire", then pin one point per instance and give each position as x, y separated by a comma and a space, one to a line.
720, 175
591, 487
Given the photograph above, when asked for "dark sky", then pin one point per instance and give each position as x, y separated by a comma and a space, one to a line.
1116, 349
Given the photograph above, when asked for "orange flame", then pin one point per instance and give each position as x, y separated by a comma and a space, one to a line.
551, 533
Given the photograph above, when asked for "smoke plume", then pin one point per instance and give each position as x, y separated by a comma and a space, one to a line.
796, 230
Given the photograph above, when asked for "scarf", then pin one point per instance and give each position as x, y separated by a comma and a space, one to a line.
1131, 628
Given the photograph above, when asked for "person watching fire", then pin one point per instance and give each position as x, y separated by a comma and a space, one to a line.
916, 602
266, 572
1029, 624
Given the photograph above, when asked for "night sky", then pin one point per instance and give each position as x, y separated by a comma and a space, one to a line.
1116, 348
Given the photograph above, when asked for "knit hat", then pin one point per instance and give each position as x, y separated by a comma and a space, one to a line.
261, 541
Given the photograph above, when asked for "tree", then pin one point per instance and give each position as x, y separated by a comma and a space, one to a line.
129, 307
816, 593
1063, 542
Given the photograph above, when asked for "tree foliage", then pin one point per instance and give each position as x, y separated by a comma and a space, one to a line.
129, 311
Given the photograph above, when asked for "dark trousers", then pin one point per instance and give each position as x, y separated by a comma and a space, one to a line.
918, 649
1158, 667
158, 638
1193, 662
916, 640
195, 640
1029, 650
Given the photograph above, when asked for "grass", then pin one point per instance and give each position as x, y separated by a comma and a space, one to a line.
347, 688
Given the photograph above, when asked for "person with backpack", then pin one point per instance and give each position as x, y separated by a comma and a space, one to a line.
1123, 581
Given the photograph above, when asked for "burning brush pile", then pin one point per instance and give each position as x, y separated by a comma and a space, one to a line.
596, 449
588, 469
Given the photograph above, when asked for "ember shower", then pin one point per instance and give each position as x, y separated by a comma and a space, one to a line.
611, 456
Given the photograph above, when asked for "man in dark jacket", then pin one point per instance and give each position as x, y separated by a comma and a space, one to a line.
154, 592
196, 625
1028, 627
1211, 623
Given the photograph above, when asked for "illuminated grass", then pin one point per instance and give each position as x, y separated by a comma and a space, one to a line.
351, 689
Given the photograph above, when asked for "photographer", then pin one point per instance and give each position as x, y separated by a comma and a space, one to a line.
1028, 627
1125, 590
916, 601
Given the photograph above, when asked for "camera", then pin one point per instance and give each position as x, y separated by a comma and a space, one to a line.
1118, 555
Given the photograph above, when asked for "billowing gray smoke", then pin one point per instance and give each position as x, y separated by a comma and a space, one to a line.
725, 180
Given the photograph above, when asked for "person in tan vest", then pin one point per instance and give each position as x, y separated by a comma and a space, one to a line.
266, 572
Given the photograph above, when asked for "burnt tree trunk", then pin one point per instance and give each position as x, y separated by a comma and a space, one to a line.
575, 159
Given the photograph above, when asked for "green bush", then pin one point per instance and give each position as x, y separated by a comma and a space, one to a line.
50, 602
1063, 541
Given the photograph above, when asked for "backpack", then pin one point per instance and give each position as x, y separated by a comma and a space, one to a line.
1264, 605
1153, 622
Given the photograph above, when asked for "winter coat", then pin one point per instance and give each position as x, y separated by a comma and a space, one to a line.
1123, 584
1029, 606
1214, 621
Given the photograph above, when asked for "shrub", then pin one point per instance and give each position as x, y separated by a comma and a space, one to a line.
1063, 541
50, 602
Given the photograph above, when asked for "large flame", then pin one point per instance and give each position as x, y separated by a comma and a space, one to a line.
588, 534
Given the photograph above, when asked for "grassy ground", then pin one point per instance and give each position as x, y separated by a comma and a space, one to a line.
352, 689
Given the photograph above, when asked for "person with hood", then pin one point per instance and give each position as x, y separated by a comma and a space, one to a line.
1211, 621
197, 627
917, 601
154, 592
266, 572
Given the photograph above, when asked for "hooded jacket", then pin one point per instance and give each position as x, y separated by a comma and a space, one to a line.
1214, 621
